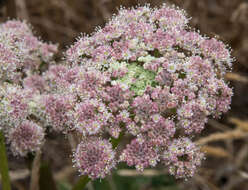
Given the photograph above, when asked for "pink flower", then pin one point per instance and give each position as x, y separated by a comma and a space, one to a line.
140, 155
182, 157
26, 137
95, 158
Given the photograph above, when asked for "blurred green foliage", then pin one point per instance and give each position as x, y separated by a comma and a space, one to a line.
160, 182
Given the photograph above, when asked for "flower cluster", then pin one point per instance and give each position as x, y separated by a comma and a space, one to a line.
22, 86
147, 75
182, 158
21, 53
95, 158
25, 137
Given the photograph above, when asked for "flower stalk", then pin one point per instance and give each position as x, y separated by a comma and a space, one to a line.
4, 170
83, 181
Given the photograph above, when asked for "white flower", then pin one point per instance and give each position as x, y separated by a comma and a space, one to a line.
146, 59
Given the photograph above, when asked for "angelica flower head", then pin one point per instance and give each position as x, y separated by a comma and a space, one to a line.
22, 56
149, 75
161, 80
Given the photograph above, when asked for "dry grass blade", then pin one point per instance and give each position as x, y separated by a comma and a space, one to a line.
218, 125
146, 172
236, 77
215, 151
243, 174
233, 134
241, 155
18, 174
240, 123
207, 184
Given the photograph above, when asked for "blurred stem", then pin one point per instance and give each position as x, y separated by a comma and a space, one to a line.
80, 185
72, 140
111, 182
11, 9
34, 184
82, 182
46, 180
90, 185
4, 170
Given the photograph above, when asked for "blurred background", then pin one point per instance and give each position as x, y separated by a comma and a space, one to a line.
225, 141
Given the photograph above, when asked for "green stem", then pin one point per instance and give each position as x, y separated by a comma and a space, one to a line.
80, 185
46, 180
82, 182
4, 170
